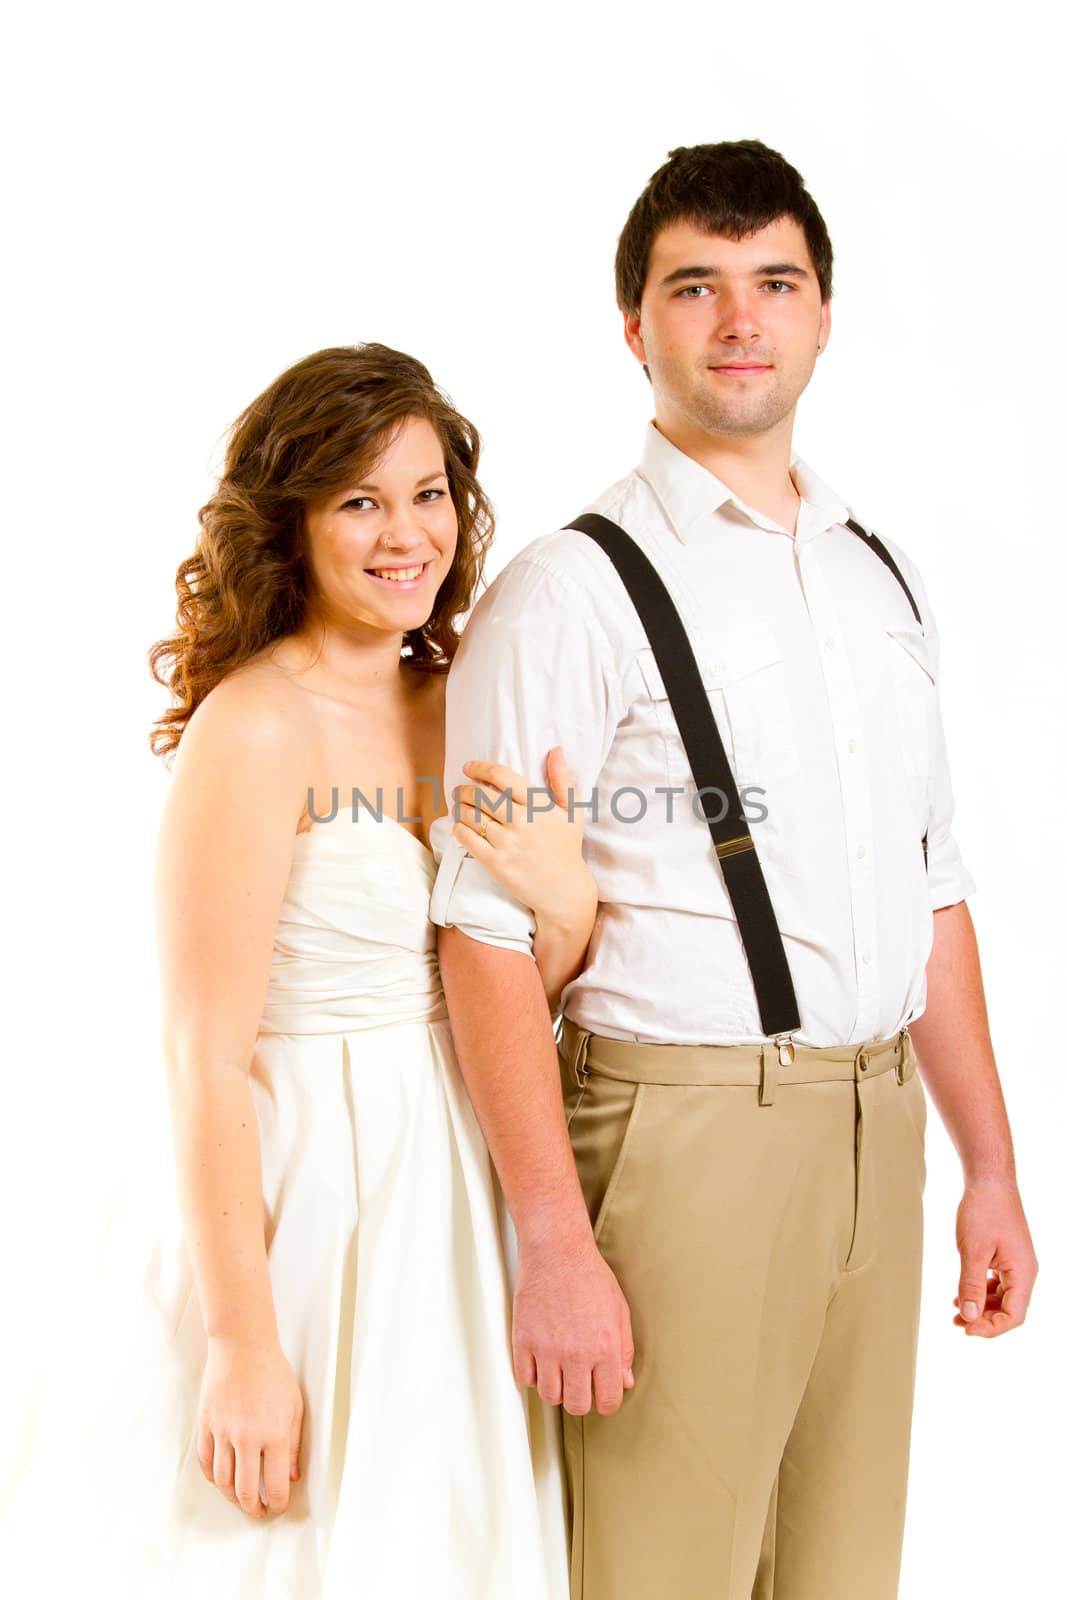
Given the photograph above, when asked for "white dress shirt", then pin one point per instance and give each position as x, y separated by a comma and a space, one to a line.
824, 689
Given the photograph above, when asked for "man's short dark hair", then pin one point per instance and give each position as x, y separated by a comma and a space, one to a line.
734, 188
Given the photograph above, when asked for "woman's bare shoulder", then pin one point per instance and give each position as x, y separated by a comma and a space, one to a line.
254, 719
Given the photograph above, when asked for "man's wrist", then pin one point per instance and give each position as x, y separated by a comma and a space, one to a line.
996, 1175
556, 1220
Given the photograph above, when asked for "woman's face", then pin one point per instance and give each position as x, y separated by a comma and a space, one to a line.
380, 550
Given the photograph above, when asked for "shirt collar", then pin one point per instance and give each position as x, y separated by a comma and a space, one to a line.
690, 494
823, 507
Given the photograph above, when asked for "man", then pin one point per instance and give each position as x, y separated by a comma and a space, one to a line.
740, 1216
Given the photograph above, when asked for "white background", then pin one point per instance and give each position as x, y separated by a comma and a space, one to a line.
198, 197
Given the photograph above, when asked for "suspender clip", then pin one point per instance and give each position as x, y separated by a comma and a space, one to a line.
787, 1052
768, 1076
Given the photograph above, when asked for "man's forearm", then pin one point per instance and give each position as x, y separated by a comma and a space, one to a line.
507, 1054
955, 1051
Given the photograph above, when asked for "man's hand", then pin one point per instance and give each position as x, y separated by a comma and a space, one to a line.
571, 1334
998, 1264
955, 1056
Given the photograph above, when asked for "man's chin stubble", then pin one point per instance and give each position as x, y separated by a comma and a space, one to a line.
730, 420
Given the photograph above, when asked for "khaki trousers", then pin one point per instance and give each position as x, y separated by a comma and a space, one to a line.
764, 1221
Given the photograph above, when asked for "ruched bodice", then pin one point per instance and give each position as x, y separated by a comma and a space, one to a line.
355, 947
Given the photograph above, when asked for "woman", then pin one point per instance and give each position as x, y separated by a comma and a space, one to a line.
349, 1421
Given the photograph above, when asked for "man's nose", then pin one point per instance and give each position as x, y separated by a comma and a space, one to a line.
739, 318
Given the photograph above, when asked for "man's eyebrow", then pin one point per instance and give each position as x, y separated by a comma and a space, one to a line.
776, 269
374, 489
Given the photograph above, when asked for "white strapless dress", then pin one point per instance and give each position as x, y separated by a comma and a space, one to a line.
426, 1473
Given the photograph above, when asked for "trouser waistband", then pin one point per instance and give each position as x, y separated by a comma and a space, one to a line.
766, 1065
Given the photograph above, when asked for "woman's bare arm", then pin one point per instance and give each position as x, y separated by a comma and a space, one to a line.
223, 859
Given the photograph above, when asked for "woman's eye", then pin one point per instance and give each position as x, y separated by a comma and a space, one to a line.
430, 494
357, 501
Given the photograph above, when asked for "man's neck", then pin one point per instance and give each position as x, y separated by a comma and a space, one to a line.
753, 467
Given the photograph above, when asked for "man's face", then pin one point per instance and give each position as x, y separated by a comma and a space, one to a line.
729, 328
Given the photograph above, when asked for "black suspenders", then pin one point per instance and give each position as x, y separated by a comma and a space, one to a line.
880, 550
734, 845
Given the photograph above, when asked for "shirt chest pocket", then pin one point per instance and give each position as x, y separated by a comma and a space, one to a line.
913, 666
745, 679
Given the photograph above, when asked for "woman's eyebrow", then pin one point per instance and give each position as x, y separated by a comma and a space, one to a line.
373, 488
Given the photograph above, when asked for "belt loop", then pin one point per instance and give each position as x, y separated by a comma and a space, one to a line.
581, 1050
906, 1059
768, 1073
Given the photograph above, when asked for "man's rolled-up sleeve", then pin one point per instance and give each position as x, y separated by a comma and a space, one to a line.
947, 876
533, 670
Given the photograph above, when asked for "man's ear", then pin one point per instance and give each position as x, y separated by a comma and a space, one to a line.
824, 324
631, 325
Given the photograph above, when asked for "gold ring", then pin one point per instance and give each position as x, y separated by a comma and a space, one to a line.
484, 829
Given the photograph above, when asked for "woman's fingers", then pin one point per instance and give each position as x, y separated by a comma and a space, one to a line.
475, 803
494, 778
560, 776
276, 1459
236, 1473
542, 865
488, 801
501, 795
491, 774
205, 1451
246, 1480
478, 819
249, 1426
294, 1438
223, 1468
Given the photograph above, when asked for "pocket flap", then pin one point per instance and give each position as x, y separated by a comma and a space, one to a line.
918, 646
723, 654
650, 672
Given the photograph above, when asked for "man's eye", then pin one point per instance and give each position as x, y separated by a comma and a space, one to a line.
692, 291
778, 283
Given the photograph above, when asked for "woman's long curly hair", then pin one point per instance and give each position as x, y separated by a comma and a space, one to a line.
318, 427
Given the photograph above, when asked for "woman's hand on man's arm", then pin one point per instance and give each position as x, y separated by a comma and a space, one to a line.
531, 843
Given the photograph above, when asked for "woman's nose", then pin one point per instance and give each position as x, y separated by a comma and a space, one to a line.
402, 532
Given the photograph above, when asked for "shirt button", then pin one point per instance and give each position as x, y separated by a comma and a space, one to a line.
829, 641
718, 667
861, 851
866, 958
851, 747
